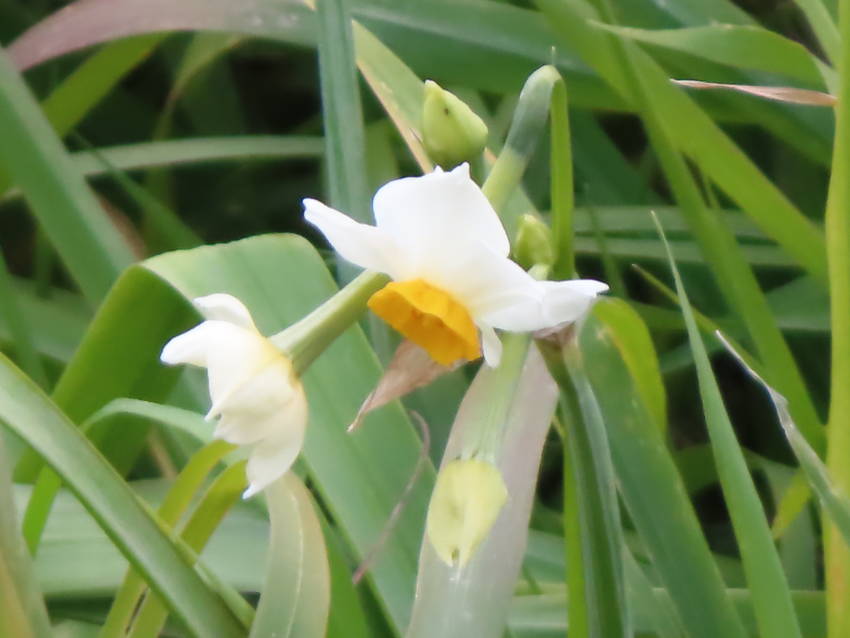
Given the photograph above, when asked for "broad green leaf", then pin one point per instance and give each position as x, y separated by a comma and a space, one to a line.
296, 593
650, 483
32, 416
771, 596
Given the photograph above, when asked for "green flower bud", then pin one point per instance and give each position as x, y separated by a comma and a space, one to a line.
467, 498
451, 132
533, 243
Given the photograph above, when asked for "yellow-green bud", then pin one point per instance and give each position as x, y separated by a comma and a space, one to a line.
533, 243
467, 498
451, 132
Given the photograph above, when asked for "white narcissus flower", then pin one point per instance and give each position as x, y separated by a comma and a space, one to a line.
253, 387
442, 244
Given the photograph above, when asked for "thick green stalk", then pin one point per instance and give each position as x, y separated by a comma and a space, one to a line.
838, 257
307, 339
529, 119
561, 183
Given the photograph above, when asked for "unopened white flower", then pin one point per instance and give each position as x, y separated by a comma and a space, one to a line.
443, 245
252, 385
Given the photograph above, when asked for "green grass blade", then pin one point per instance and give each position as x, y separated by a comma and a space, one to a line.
88, 243
21, 603
31, 415
737, 281
296, 595
693, 133
771, 596
72, 100
647, 475
835, 502
175, 503
345, 137
590, 461
748, 47
214, 504
823, 25
19, 330
199, 150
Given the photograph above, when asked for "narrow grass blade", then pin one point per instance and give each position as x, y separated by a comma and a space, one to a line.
205, 518
601, 541
21, 604
198, 150
345, 137
19, 330
823, 25
744, 46
834, 500
176, 501
647, 476
31, 415
694, 133
89, 244
295, 600
771, 596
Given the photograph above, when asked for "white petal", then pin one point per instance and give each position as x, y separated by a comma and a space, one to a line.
363, 245
569, 300
272, 458
559, 302
478, 277
429, 210
223, 307
237, 357
491, 345
193, 346
248, 411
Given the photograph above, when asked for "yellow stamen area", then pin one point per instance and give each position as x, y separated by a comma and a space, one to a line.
430, 318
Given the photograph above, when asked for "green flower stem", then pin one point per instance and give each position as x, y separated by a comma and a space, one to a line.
529, 120
838, 257
304, 341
